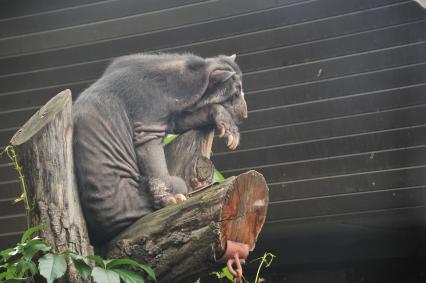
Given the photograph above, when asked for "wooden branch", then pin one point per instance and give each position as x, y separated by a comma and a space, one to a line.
44, 150
182, 241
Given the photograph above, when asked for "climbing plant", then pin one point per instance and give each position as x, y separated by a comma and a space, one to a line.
33, 256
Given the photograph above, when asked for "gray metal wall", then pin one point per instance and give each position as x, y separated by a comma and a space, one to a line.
336, 92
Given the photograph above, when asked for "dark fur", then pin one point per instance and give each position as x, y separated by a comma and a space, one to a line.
120, 120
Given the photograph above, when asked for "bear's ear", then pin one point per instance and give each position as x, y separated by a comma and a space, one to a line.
220, 75
233, 57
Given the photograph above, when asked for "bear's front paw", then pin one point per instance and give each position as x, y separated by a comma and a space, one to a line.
230, 132
168, 190
174, 199
226, 127
176, 185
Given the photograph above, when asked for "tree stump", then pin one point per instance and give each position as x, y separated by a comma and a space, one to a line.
44, 150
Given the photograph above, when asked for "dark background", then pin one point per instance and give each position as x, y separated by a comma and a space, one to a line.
337, 113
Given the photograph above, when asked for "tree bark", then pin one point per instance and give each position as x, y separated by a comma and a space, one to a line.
188, 156
44, 150
184, 240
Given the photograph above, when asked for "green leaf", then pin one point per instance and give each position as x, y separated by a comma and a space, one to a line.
34, 246
224, 273
129, 276
122, 261
8, 253
73, 255
99, 261
218, 177
127, 261
3, 274
33, 268
52, 267
31, 231
24, 266
219, 275
82, 267
10, 272
169, 138
227, 274
149, 271
101, 275
3, 266
33, 241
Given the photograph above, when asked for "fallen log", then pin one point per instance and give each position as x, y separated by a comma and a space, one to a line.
182, 241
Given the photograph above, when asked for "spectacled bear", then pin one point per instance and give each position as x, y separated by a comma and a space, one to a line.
122, 118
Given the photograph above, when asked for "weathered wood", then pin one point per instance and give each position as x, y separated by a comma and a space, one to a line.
44, 150
188, 157
182, 241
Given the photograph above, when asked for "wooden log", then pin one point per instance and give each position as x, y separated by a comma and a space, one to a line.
44, 150
184, 240
188, 157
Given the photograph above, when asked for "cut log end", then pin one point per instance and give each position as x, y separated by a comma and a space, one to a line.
245, 210
40, 119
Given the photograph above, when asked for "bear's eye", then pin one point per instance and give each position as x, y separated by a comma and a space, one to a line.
236, 93
239, 87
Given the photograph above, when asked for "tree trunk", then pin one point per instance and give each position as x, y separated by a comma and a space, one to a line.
182, 241
44, 150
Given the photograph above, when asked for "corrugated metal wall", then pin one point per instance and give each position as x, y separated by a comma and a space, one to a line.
336, 92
